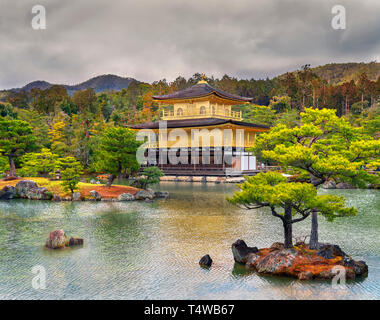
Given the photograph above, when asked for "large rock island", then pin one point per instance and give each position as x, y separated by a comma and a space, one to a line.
300, 261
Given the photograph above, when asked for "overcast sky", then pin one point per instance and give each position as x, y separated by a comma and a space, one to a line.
154, 39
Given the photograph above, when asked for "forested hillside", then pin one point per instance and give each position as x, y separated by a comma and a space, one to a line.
340, 72
71, 125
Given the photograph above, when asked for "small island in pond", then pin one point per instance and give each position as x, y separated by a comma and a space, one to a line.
299, 261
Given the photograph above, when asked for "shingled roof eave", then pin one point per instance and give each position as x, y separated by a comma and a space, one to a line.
245, 100
190, 123
212, 91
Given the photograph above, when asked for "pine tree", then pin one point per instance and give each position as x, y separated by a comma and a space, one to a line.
16, 138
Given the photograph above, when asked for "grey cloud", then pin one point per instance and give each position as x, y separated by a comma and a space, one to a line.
154, 39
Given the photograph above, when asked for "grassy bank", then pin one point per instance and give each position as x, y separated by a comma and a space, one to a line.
84, 188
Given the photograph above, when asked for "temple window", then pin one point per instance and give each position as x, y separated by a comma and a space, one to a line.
227, 112
203, 110
179, 112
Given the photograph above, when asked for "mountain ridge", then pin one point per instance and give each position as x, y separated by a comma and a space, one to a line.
333, 73
101, 83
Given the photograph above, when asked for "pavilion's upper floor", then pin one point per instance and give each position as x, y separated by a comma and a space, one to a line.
201, 101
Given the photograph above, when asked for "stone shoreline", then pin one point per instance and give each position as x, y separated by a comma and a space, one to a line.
28, 189
203, 179
221, 179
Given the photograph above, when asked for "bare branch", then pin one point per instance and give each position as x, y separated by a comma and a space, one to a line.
274, 213
304, 216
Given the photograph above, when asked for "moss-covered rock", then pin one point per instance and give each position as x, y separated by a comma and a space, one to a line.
302, 263
56, 239
7, 193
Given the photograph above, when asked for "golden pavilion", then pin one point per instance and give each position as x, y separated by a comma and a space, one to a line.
200, 134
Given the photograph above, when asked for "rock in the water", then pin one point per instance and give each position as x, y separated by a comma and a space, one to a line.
56, 239
126, 197
24, 186
329, 185
75, 241
144, 194
240, 250
344, 185
7, 193
276, 262
96, 195
93, 181
329, 251
206, 261
360, 267
162, 194
76, 196
39, 194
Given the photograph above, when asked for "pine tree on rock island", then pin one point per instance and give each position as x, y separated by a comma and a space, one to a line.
291, 202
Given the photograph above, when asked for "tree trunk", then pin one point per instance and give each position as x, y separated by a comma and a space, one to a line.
313, 244
12, 167
303, 102
288, 232
111, 178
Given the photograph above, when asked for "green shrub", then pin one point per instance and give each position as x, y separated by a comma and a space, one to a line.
150, 176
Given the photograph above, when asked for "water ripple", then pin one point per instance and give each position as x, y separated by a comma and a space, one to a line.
142, 250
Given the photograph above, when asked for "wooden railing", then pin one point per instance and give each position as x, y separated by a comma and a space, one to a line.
169, 115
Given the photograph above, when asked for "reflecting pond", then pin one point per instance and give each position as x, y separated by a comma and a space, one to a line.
138, 250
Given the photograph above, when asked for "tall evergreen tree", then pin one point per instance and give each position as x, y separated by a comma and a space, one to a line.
16, 138
117, 152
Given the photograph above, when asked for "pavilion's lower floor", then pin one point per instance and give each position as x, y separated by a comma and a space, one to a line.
206, 162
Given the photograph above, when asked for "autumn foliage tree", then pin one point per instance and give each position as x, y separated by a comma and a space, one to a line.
39, 163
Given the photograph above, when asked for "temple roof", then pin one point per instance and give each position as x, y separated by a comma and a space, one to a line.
187, 123
201, 89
